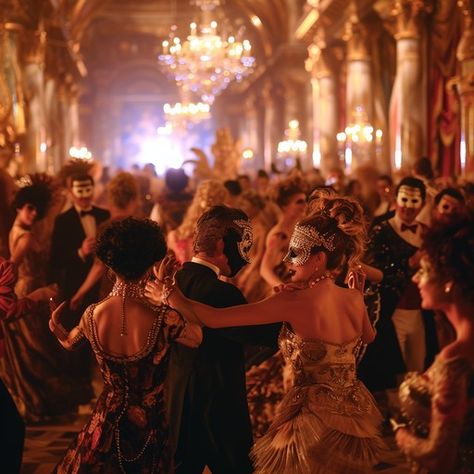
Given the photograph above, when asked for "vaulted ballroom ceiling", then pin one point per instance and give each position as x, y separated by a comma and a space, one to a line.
89, 21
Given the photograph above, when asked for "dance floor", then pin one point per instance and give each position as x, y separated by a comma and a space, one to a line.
46, 444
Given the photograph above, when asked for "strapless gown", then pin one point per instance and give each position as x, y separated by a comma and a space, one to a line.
328, 422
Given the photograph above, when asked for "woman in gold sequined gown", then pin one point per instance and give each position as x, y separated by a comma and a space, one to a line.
327, 422
437, 431
130, 338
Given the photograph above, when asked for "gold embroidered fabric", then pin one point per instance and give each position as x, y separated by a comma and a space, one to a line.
438, 406
328, 422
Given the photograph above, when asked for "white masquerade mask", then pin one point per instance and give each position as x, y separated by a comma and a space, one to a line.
246, 241
304, 238
409, 197
82, 189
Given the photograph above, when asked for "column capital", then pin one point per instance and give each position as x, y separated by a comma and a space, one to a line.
34, 46
403, 18
355, 34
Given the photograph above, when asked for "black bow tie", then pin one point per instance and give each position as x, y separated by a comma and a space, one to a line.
411, 228
86, 213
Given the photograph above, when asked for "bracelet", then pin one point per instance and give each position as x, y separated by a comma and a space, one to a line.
78, 337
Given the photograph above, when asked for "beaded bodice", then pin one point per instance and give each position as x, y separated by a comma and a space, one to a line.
318, 362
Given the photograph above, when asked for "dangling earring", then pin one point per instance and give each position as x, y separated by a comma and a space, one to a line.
447, 288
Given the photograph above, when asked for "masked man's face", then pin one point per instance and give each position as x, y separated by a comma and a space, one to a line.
409, 203
82, 193
237, 246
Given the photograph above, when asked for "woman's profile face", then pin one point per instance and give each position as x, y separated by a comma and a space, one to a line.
27, 215
296, 206
430, 287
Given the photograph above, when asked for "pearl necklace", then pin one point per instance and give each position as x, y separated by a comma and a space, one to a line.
315, 281
130, 290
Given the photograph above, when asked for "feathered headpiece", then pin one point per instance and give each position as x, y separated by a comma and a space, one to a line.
36, 189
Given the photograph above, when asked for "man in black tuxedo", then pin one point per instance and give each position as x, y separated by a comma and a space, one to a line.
72, 256
73, 242
207, 400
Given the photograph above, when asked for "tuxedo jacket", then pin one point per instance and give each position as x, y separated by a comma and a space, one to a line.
206, 386
66, 268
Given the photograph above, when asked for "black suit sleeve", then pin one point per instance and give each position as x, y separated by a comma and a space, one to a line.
263, 335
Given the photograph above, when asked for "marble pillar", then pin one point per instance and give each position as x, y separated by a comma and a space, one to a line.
407, 107
359, 95
325, 113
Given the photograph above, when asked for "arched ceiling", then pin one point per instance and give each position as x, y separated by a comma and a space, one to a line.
266, 20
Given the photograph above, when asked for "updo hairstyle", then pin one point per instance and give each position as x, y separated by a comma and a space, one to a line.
38, 192
318, 198
131, 246
342, 218
449, 248
284, 190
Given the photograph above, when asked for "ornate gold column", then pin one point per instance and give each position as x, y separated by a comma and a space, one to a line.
12, 106
407, 109
34, 59
465, 89
359, 94
324, 98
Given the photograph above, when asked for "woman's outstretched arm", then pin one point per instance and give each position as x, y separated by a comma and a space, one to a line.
68, 339
276, 308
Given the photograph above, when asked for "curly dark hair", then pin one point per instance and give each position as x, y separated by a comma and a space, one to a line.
342, 218
38, 193
449, 247
131, 246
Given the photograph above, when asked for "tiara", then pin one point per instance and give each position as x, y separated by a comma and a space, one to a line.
312, 237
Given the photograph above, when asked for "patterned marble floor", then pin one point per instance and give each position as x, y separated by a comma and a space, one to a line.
46, 444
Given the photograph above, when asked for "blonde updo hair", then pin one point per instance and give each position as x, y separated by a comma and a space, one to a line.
210, 192
342, 218
122, 190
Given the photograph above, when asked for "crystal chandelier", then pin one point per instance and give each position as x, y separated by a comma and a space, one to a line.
207, 61
357, 141
184, 114
292, 149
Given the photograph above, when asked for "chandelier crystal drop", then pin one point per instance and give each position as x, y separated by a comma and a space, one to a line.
207, 61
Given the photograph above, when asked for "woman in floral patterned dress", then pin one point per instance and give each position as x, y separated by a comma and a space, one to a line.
130, 338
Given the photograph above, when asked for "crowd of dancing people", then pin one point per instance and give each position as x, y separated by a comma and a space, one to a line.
276, 323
